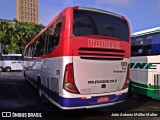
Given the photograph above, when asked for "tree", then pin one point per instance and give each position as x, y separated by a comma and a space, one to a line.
3, 33
15, 36
12, 47
25, 32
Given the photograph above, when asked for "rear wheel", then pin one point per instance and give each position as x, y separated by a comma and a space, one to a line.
7, 69
41, 96
1, 69
24, 74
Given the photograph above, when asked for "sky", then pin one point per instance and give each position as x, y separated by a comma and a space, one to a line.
141, 14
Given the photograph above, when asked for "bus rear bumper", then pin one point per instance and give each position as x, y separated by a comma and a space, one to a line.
93, 102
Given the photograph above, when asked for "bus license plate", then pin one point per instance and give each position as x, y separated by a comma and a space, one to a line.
103, 99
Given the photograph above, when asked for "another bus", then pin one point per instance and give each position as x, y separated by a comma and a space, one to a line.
11, 62
81, 59
145, 63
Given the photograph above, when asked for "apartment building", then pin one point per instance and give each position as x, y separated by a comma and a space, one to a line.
27, 11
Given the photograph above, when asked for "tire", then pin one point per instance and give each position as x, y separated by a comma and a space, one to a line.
1, 69
8, 69
24, 75
41, 96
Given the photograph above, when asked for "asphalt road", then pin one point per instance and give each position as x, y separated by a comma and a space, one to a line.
17, 95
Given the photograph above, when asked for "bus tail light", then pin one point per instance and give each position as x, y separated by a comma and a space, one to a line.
127, 78
69, 82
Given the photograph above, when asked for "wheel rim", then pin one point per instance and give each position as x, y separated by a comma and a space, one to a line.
1, 69
8, 69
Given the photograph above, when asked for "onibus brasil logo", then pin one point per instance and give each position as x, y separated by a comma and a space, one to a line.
144, 65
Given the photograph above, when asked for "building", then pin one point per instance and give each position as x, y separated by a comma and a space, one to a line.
27, 11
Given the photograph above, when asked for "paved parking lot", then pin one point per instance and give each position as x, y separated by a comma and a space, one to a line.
18, 95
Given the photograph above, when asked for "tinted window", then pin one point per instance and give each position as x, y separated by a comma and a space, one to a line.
146, 45
39, 46
12, 58
137, 46
53, 36
95, 23
156, 44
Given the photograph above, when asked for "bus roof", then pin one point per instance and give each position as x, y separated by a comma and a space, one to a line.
98, 10
145, 32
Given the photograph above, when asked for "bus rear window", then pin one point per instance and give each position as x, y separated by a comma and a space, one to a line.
96, 23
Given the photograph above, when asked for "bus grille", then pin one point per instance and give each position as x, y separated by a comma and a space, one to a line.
101, 54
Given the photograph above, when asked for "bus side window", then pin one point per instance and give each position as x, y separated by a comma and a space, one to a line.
54, 32
29, 52
147, 45
156, 44
39, 46
137, 46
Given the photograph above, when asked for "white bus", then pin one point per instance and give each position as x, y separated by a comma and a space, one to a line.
81, 59
10, 62
145, 63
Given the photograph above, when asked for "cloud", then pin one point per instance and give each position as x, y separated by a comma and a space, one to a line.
123, 3
157, 6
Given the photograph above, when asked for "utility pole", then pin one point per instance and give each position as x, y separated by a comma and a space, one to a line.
1, 49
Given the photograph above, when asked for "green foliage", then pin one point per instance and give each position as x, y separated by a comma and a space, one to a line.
15, 36
12, 47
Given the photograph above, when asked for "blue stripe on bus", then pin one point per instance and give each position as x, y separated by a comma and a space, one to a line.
78, 102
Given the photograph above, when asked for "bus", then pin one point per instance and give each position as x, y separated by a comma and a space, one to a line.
11, 62
81, 59
145, 63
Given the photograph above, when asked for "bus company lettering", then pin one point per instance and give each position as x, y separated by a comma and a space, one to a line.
102, 81
104, 44
144, 65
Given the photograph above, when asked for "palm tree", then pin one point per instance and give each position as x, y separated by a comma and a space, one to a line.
14, 37
4, 25
25, 32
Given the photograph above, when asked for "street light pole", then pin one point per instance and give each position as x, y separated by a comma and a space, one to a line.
1, 51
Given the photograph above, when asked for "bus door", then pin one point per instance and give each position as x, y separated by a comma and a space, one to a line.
156, 92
